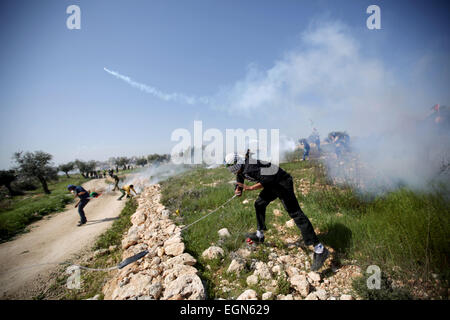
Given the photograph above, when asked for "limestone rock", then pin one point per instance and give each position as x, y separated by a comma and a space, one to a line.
267, 295
184, 258
290, 223
285, 297
212, 253
165, 214
155, 290
292, 271
236, 266
177, 271
138, 217
312, 296
129, 241
277, 212
174, 249
321, 294
300, 284
188, 286
248, 295
262, 270
277, 269
314, 276
252, 280
244, 253
173, 240
224, 233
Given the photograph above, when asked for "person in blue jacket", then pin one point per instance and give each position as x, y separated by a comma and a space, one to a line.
306, 148
83, 195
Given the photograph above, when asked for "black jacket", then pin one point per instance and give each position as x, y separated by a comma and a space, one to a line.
252, 172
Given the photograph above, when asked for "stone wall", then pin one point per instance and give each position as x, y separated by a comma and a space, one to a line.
166, 272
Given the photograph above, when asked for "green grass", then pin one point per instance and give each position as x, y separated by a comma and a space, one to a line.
403, 229
18, 212
405, 233
92, 282
113, 236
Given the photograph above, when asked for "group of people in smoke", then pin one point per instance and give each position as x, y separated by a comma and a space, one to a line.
339, 140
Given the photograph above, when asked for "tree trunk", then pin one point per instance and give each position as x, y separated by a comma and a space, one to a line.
44, 184
67, 174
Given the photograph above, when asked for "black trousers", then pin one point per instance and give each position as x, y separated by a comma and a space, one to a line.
81, 206
284, 190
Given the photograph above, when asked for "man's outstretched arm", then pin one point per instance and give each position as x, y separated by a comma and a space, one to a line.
256, 186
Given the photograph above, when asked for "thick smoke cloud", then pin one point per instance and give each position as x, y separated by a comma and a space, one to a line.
328, 79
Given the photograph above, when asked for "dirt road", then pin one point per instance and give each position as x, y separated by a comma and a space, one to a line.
24, 261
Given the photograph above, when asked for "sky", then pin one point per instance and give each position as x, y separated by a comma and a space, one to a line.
138, 70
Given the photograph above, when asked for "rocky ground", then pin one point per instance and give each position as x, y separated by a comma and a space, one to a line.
283, 268
167, 272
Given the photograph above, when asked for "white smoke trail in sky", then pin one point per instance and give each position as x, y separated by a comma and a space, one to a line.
177, 97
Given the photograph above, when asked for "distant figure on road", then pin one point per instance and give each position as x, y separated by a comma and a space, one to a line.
127, 189
116, 182
79, 192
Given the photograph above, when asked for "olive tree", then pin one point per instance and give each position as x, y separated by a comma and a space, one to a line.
141, 162
85, 167
36, 165
66, 168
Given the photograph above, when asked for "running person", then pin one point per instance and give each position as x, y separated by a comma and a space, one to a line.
83, 195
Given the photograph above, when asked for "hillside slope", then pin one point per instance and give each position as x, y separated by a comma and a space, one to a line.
404, 233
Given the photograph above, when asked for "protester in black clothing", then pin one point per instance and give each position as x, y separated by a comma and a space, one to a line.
276, 183
116, 182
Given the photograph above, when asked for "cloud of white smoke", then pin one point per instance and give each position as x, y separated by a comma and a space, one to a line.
328, 79
153, 174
